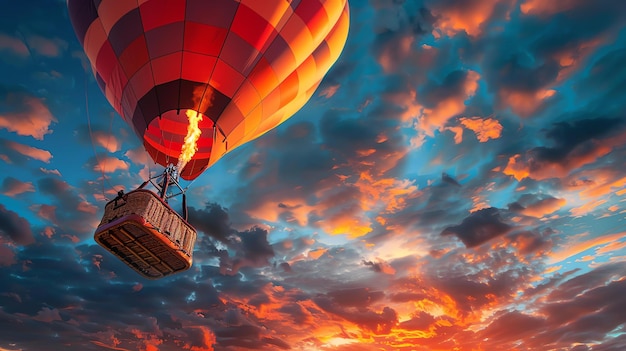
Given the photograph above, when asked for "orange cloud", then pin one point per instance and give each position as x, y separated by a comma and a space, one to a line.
14, 45
485, 129
611, 247
391, 55
330, 91
544, 207
12, 187
575, 248
467, 17
208, 339
586, 208
435, 118
515, 168
524, 103
583, 154
547, 8
107, 140
45, 46
458, 134
29, 151
7, 256
108, 164
31, 117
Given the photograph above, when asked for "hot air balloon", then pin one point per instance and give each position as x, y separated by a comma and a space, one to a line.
195, 79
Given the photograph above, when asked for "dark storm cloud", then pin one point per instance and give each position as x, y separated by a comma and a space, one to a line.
514, 71
452, 85
59, 285
568, 136
250, 247
15, 227
213, 221
582, 140
479, 227
251, 250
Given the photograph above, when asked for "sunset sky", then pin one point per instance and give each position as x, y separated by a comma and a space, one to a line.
457, 182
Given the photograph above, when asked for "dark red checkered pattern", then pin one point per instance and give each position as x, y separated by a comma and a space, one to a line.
247, 65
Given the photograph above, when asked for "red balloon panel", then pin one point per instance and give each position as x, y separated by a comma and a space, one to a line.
247, 65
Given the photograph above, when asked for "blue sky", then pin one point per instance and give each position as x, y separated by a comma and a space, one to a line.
456, 183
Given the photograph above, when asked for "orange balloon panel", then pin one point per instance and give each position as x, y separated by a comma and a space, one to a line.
245, 65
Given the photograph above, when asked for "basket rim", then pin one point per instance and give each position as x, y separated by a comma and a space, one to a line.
154, 195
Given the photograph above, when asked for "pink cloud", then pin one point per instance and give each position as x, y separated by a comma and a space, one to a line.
27, 116
109, 164
523, 166
467, 16
329, 91
12, 187
435, 118
14, 45
579, 246
547, 8
107, 140
29, 151
544, 207
524, 103
45, 46
48, 315
393, 55
7, 256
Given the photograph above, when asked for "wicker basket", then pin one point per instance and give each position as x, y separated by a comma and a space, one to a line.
146, 234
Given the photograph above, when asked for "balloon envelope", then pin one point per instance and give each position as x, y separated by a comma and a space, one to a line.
244, 65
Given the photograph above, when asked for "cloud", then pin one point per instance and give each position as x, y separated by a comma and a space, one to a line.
107, 140
580, 246
24, 113
108, 164
14, 45
28, 151
250, 247
69, 211
15, 227
251, 250
46, 46
575, 144
470, 17
479, 227
485, 129
50, 171
442, 101
376, 322
380, 266
537, 206
12, 187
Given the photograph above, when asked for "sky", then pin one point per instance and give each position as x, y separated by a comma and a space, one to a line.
455, 183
